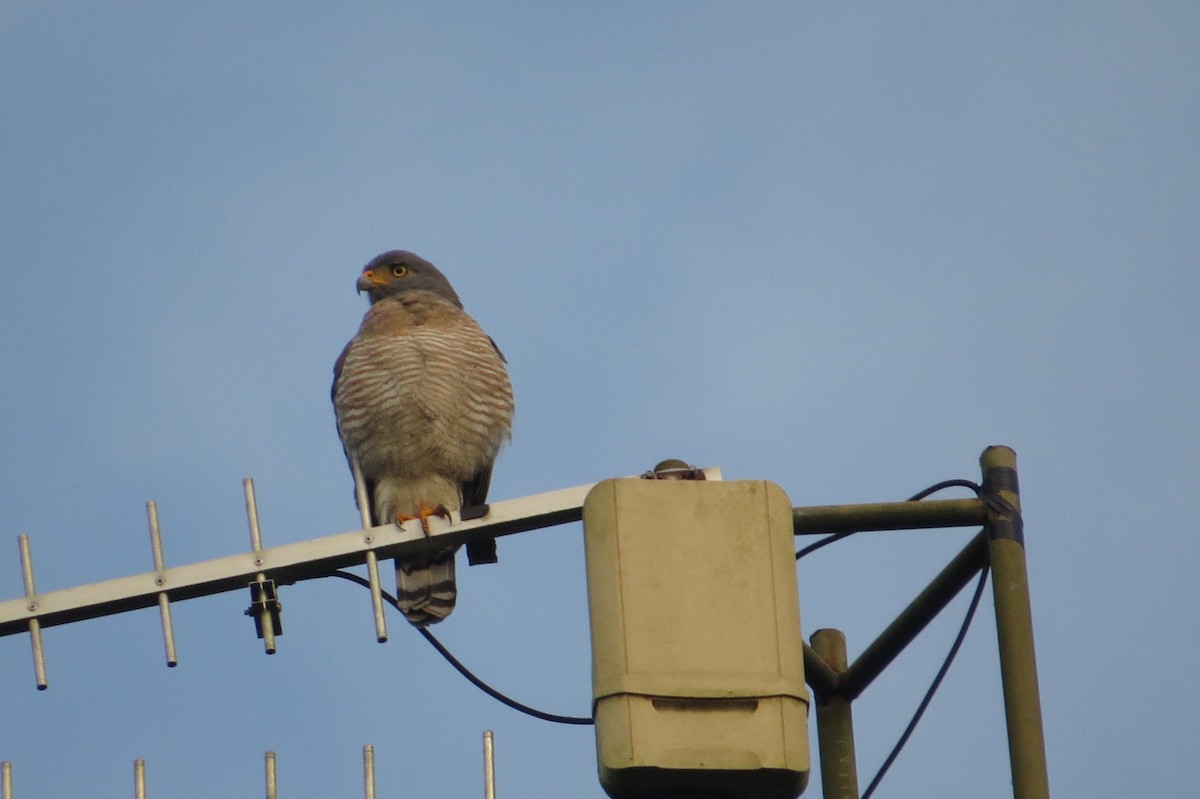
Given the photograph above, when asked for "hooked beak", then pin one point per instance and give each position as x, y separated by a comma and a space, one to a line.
368, 280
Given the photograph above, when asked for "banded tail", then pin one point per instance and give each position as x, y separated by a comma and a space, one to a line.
425, 587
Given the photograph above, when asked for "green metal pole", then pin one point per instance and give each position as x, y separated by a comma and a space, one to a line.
835, 727
817, 673
1014, 624
927, 514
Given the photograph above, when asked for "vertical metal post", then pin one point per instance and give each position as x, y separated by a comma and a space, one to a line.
35, 626
489, 765
139, 779
369, 771
835, 725
1014, 624
164, 604
6, 780
364, 512
266, 623
272, 793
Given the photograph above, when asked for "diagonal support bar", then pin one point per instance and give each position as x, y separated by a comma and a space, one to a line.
914, 618
819, 675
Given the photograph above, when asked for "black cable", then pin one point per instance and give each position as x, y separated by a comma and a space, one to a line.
832, 537
463, 670
933, 489
962, 631
829, 539
937, 681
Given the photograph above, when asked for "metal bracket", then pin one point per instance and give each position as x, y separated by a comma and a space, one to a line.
674, 469
483, 551
265, 609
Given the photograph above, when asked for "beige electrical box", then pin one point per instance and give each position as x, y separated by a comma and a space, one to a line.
697, 661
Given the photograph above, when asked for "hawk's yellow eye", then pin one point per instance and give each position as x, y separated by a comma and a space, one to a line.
399, 271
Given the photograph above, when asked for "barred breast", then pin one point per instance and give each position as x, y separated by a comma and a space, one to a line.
422, 392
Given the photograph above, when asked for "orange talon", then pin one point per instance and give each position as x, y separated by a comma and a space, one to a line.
423, 513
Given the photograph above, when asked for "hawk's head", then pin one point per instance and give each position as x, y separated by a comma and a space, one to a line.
398, 271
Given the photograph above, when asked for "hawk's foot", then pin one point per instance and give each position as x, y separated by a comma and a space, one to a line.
423, 513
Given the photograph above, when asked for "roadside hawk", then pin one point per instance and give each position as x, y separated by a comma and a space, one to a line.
423, 404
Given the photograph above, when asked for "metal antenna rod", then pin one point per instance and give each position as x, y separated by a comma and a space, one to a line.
6, 780
252, 514
489, 765
35, 627
364, 512
265, 621
271, 784
381, 633
139, 779
360, 494
164, 604
369, 771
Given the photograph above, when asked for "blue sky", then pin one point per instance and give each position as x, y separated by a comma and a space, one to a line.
840, 247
